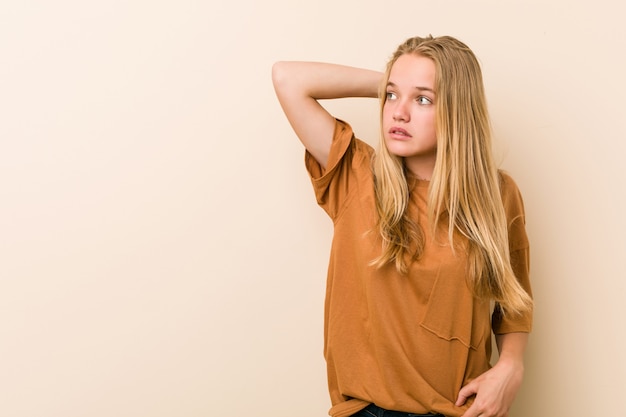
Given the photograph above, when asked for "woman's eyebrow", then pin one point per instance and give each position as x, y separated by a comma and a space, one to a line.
426, 89
392, 84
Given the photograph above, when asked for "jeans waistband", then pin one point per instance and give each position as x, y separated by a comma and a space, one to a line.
377, 411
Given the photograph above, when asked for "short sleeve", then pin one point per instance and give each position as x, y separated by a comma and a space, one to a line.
520, 256
348, 157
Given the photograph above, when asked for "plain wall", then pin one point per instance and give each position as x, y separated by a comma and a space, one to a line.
161, 252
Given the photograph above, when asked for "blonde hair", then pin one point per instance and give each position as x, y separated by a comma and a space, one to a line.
465, 184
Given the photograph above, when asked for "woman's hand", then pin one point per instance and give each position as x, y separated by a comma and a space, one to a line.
495, 390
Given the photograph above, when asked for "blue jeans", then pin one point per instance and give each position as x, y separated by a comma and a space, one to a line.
373, 410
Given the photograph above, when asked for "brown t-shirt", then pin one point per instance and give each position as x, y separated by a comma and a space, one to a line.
404, 342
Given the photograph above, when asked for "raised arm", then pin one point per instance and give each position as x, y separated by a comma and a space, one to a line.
299, 86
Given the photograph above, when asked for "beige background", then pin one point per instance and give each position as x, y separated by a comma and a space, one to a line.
161, 253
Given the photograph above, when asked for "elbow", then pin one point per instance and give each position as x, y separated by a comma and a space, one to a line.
279, 74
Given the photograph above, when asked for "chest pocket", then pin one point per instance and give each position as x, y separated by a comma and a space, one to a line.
454, 314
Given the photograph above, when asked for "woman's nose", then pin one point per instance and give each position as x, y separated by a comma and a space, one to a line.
401, 113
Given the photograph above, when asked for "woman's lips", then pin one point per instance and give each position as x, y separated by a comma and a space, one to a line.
399, 133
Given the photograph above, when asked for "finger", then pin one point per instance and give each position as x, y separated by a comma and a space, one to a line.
465, 392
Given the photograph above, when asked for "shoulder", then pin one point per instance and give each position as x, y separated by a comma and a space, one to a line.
348, 156
509, 190
347, 173
347, 146
514, 211
345, 133
506, 180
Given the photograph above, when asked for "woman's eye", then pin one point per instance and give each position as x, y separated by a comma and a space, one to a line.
390, 95
424, 100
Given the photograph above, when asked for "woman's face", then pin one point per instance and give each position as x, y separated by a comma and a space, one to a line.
409, 113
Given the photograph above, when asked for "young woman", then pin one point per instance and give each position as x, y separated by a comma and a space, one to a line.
430, 253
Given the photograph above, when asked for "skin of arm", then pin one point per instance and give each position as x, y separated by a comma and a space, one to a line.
495, 390
299, 86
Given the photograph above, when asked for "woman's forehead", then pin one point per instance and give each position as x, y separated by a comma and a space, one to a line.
413, 71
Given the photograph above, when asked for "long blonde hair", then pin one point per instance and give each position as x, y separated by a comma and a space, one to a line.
465, 184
